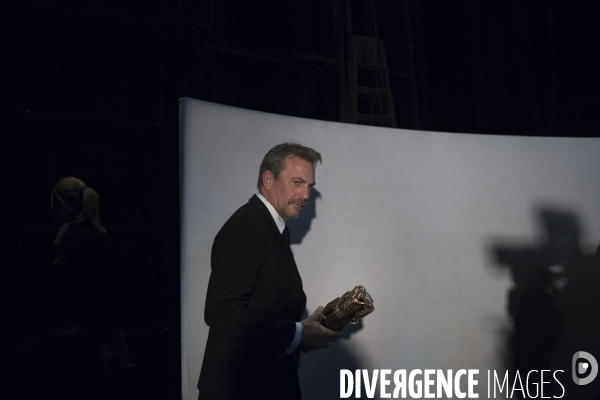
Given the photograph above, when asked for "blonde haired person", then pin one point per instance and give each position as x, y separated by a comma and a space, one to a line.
71, 197
82, 309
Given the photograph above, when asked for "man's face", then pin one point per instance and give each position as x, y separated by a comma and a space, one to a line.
289, 193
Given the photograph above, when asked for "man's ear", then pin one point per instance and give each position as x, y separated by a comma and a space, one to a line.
267, 179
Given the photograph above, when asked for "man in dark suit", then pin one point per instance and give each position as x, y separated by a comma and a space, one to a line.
255, 299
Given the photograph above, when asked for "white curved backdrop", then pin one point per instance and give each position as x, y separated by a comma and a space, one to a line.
416, 217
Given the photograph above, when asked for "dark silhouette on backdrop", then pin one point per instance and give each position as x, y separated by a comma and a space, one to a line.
553, 302
538, 325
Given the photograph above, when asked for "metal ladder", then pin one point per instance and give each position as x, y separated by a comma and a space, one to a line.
369, 83
364, 86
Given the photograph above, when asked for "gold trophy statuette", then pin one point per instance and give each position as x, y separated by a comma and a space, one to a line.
349, 308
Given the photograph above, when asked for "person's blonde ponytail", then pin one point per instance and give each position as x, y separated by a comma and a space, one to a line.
77, 195
90, 207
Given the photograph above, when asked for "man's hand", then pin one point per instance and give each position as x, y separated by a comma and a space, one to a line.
315, 335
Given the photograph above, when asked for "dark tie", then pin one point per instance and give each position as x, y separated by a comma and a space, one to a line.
286, 239
286, 236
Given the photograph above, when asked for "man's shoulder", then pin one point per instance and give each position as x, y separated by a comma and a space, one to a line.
249, 214
247, 222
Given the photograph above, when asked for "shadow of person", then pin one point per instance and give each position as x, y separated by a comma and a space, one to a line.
553, 300
538, 326
300, 226
319, 370
578, 302
533, 264
558, 247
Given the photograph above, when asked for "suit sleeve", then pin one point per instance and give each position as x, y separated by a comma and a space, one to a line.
238, 253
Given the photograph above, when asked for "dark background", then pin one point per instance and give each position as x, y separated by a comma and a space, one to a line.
91, 89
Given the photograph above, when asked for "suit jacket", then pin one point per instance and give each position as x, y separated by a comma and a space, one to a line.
254, 299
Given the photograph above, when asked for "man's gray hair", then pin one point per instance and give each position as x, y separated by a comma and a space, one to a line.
274, 160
